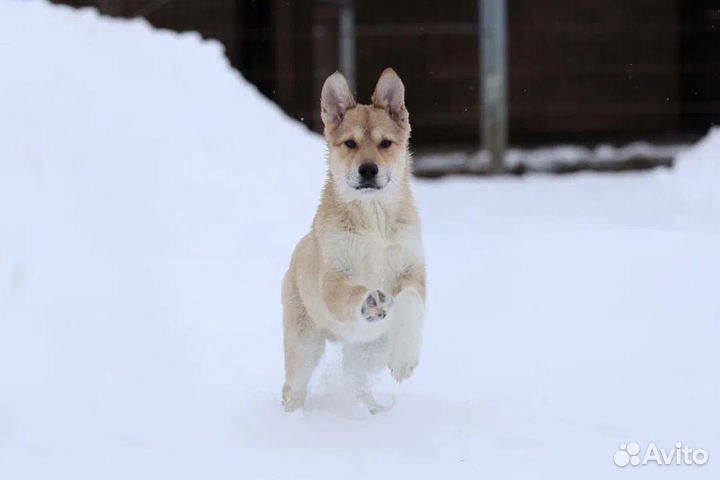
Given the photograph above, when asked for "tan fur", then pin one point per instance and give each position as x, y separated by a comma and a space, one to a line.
363, 258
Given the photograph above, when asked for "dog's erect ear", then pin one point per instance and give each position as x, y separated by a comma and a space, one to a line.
335, 99
390, 95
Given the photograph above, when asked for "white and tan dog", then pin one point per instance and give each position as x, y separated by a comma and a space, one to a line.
359, 276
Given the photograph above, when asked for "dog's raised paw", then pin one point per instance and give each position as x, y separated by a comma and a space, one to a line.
376, 306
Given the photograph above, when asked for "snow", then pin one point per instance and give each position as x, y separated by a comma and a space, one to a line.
559, 157
150, 199
698, 171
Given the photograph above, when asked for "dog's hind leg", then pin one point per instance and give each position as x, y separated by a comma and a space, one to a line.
359, 361
304, 346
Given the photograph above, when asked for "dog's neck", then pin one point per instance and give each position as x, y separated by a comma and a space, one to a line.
381, 212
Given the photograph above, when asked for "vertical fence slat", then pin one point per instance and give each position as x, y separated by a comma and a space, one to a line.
492, 23
347, 42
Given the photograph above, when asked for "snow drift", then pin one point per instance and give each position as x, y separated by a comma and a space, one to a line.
698, 174
149, 201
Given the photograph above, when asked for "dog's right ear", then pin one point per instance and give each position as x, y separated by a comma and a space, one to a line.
335, 100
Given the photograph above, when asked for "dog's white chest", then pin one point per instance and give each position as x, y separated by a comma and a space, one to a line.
373, 260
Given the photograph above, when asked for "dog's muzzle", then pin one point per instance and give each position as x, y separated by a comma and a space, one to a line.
368, 187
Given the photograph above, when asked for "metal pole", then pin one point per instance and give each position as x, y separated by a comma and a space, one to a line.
347, 42
493, 80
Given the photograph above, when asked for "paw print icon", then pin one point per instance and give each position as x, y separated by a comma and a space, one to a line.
629, 454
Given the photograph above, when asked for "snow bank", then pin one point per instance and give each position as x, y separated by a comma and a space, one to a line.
150, 199
555, 158
145, 190
698, 173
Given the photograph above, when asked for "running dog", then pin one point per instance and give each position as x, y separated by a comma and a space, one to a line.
358, 276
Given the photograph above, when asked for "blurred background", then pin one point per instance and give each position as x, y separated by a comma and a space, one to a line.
151, 197
566, 72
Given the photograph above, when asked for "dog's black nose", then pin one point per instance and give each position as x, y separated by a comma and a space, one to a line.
368, 171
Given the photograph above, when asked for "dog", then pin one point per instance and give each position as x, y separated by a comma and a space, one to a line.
358, 276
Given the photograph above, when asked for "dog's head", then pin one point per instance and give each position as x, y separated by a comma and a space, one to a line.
367, 144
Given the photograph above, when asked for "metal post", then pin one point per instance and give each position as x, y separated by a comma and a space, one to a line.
347, 42
493, 79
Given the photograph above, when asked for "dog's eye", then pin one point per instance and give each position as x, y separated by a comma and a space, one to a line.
351, 144
385, 144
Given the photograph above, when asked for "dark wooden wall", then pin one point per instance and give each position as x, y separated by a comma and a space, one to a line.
699, 50
593, 69
579, 71
434, 50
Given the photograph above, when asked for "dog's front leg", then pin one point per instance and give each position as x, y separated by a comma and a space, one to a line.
408, 319
348, 301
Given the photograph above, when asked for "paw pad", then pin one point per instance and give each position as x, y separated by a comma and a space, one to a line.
376, 306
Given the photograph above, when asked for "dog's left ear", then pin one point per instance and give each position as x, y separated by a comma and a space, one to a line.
390, 95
